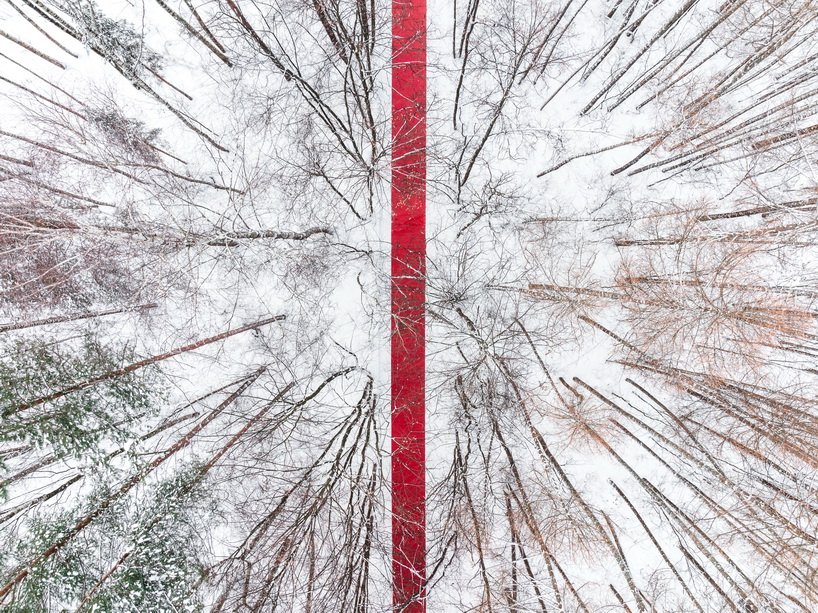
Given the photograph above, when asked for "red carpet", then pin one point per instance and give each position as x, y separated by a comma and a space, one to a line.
408, 291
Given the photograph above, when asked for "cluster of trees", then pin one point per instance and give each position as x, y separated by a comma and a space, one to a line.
194, 294
623, 307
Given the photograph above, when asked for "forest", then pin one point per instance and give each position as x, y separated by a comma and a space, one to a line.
621, 277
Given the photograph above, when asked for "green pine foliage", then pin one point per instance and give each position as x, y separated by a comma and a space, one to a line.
142, 552
165, 567
140, 555
49, 586
118, 40
88, 424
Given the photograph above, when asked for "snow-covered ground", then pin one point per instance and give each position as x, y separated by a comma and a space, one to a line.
621, 342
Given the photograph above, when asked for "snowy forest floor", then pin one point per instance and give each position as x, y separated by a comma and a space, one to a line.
621, 280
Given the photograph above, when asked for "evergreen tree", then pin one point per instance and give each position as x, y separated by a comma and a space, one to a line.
116, 40
85, 423
141, 555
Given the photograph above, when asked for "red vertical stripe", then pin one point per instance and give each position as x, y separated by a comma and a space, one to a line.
408, 292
